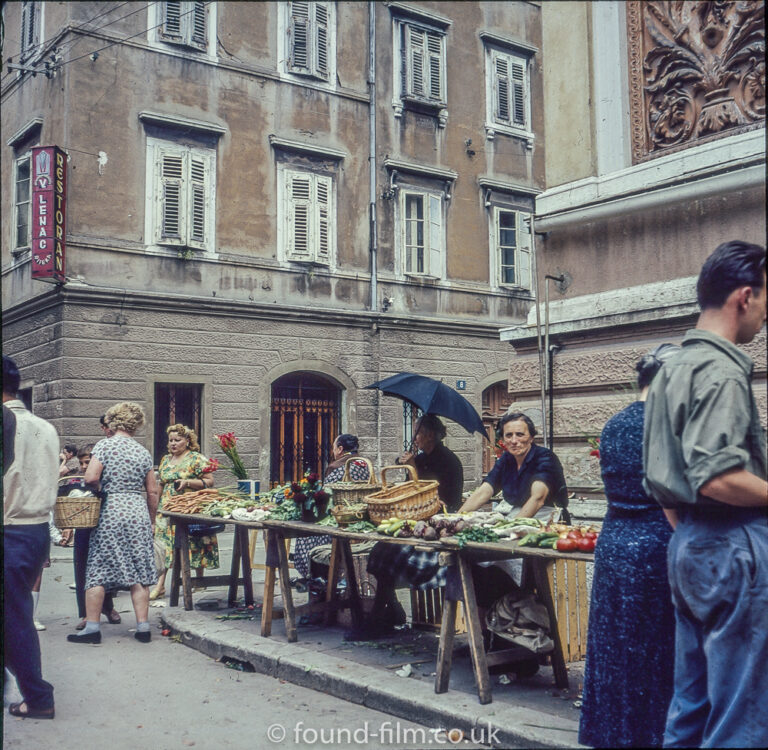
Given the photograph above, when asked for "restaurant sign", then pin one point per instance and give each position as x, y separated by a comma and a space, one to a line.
49, 202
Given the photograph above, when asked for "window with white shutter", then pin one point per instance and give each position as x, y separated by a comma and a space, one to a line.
422, 56
512, 247
309, 39
184, 23
421, 233
308, 217
508, 93
30, 29
182, 200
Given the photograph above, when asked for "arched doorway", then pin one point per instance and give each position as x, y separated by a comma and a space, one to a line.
304, 422
496, 401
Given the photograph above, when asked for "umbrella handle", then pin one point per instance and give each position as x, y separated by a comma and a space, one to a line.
410, 469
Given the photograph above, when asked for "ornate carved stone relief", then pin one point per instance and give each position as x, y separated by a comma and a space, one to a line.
697, 71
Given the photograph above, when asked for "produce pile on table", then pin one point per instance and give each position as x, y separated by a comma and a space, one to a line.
482, 526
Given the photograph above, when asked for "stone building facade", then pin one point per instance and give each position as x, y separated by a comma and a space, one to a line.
270, 206
655, 129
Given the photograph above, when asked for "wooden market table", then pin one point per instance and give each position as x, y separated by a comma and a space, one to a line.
536, 564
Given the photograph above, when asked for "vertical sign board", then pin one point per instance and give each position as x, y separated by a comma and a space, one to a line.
49, 202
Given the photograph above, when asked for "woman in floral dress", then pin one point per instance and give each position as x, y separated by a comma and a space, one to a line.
183, 469
120, 553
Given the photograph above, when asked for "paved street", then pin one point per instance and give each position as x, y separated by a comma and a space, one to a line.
123, 694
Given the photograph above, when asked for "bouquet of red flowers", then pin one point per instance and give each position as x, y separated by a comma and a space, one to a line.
228, 443
308, 494
211, 466
595, 445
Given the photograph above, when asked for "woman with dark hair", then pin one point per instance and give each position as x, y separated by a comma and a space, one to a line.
345, 446
630, 642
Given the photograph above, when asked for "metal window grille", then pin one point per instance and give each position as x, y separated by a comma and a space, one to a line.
411, 413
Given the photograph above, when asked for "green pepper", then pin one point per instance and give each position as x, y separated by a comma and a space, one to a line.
549, 542
530, 540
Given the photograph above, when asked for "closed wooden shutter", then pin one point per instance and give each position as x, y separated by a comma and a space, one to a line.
300, 37
416, 58
518, 85
323, 218
299, 189
172, 20
199, 36
435, 52
28, 30
501, 88
172, 197
198, 202
321, 40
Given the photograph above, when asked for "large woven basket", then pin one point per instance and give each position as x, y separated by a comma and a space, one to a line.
76, 512
347, 492
413, 500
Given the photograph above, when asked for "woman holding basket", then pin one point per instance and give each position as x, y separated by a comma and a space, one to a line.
121, 552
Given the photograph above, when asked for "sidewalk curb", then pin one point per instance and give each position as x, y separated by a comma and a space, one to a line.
511, 727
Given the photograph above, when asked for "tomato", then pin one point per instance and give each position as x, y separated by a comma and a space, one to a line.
566, 545
590, 535
585, 545
575, 534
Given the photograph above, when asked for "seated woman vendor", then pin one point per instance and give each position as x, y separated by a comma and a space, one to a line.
530, 476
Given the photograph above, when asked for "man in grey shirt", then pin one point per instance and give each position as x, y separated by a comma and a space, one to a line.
704, 451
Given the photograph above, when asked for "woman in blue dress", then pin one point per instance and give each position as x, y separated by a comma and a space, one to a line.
630, 642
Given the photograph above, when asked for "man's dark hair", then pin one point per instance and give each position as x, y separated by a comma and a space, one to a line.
70, 448
11, 377
516, 416
733, 264
86, 450
348, 442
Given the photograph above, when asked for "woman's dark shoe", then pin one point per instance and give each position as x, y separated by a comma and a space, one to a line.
144, 636
113, 617
31, 713
85, 638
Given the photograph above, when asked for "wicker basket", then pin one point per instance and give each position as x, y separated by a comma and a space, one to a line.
76, 512
347, 514
413, 500
347, 492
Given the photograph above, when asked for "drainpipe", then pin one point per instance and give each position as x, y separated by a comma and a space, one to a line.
560, 280
373, 231
542, 376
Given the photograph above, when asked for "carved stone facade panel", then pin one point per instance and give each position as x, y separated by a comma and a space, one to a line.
697, 71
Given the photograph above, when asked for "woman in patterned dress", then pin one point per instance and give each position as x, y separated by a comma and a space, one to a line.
121, 553
631, 634
181, 470
344, 447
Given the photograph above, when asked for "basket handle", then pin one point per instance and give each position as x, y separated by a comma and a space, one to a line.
413, 474
371, 472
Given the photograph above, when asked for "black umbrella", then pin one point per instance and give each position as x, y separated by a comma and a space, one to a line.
432, 397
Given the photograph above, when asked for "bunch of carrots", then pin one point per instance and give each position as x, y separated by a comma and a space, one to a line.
191, 502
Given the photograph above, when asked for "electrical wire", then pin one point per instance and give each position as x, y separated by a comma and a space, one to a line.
120, 41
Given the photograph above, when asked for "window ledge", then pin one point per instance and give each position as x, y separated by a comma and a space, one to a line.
313, 149
309, 262
508, 43
402, 10
414, 276
160, 118
492, 129
422, 106
506, 187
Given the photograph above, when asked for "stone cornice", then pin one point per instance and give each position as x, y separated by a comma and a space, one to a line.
80, 294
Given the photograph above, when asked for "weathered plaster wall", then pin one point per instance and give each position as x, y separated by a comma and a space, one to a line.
567, 91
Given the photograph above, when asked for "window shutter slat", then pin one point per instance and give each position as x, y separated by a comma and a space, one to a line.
172, 19
502, 89
172, 170
300, 36
518, 81
434, 46
300, 188
416, 45
198, 193
199, 25
321, 46
323, 212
